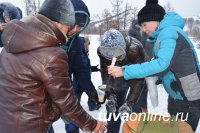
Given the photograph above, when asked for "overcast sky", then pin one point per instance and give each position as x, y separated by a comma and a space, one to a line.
186, 8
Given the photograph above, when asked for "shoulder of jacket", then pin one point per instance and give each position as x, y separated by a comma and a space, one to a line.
49, 55
168, 32
133, 43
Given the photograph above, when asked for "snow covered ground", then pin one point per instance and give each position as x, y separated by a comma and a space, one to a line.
96, 78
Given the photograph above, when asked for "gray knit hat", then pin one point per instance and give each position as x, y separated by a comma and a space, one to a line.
113, 44
112, 38
61, 11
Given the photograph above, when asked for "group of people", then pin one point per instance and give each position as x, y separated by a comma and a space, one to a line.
45, 68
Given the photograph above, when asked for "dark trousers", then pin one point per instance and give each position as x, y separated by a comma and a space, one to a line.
79, 91
121, 88
142, 101
80, 68
51, 130
114, 126
192, 108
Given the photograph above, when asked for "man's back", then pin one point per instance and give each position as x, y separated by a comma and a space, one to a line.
34, 73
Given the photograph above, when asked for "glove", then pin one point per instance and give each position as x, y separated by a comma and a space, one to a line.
110, 91
111, 105
159, 81
93, 95
175, 85
125, 108
95, 68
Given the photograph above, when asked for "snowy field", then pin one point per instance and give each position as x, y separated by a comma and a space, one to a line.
96, 78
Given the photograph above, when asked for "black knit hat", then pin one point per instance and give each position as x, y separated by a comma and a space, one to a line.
61, 11
151, 12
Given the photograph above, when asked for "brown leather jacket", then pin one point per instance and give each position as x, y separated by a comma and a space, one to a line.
34, 82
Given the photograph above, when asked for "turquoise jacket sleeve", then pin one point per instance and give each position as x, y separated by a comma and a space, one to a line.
163, 50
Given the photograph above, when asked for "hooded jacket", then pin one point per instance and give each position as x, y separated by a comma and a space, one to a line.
175, 60
35, 87
81, 15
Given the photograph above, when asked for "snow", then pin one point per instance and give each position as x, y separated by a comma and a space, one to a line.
96, 78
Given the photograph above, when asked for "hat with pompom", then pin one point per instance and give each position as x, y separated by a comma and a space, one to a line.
151, 12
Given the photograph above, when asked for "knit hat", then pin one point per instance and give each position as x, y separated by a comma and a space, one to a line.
61, 11
151, 12
113, 44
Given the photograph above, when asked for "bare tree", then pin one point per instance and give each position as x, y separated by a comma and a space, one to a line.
129, 14
127, 7
168, 7
120, 19
117, 9
31, 6
106, 14
134, 12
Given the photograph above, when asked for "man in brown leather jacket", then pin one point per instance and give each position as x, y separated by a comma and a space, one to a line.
127, 50
35, 87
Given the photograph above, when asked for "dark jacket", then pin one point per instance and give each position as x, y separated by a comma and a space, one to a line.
34, 76
79, 65
134, 30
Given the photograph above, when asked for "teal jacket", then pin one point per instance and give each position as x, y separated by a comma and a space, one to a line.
175, 60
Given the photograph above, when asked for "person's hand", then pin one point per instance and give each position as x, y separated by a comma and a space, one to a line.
2, 26
110, 90
95, 68
93, 95
125, 109
111, 105
100, 127
115, 71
